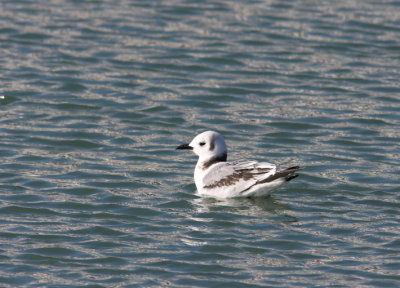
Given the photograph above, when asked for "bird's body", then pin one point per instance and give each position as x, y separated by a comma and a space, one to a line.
215, 177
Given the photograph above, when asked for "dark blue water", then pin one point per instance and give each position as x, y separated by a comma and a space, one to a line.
95, 96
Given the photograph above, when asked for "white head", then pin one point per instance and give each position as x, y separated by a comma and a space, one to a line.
207, 145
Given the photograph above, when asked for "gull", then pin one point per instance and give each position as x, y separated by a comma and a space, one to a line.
215, 177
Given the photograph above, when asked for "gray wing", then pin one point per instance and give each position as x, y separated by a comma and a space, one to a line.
237, 176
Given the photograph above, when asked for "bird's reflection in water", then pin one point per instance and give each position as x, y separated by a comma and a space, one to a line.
268, 207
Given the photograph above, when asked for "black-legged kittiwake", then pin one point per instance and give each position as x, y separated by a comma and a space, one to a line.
216, 177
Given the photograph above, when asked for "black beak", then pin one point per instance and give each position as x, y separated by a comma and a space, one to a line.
184, 147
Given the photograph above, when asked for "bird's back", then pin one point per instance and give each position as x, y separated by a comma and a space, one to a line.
232, 179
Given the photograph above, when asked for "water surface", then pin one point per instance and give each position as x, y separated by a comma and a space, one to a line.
97, 94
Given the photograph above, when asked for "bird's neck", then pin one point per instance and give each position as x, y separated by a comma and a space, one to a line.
204, 164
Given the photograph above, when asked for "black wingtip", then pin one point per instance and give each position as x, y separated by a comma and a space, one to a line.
294, 168
290, 171
290, 177
287, 174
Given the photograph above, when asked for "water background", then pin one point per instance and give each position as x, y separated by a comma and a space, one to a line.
95, 96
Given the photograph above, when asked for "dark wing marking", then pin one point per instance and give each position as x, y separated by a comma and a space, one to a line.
243, 174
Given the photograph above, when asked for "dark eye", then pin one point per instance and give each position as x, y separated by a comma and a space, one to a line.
202, 143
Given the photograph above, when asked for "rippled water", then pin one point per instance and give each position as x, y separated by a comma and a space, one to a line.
95, 96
